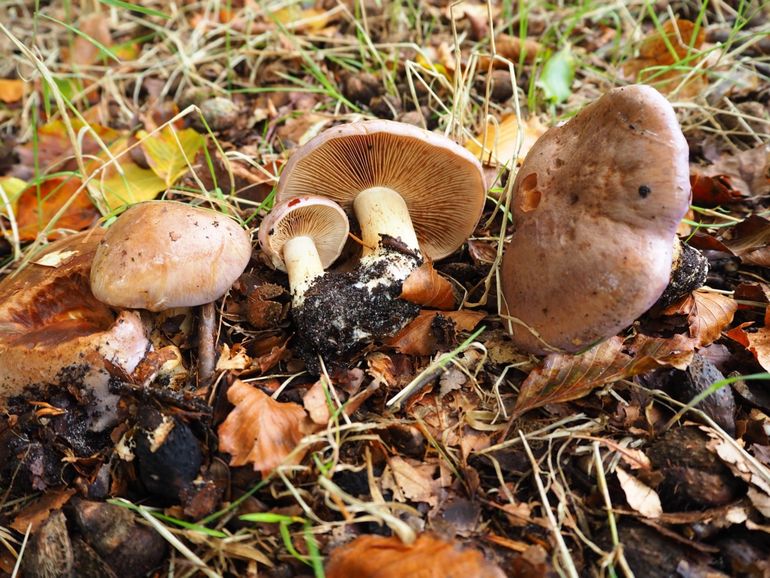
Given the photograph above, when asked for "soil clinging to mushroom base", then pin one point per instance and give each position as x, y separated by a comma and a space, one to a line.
344, 312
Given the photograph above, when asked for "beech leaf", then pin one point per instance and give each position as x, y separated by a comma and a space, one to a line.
388, 557
563, 377
36, 209
756, 340
427, 288
167, 157
261, 430
418, 338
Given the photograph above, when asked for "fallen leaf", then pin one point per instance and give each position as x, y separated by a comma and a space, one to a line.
316, 404
418, 338
750, 240
511, 48
427, 288
297, 19
261, 430
11, 90
508, 142
38, 511
563, 377
428, 557
84, 51
409, 482
755, 339
710, 315
711, 191
639, 496
131, 185
10, 190
748, 172
557, 76
167, 156
676, 41
35, 212
233, 359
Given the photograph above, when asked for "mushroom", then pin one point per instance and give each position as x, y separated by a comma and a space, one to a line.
415, 187
54, 332
161, 255
302, 236
596, 206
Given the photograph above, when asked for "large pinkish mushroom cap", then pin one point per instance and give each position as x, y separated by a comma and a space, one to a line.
596, 205
54, 332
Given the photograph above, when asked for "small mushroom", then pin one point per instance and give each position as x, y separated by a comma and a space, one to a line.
416, 187
161, 255
302, 236
596, 206
54, 332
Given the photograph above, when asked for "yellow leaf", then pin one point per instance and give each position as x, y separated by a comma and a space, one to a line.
11, 190
135, 185
501, 146
11, 90
299, 20
167, 156
438, 67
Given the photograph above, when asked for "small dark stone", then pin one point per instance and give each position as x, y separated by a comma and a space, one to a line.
361, 88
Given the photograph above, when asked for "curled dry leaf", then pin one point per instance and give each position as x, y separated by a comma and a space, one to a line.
756, 340
501, 146
711, 191
427, 288
428, 557
260, 430
564, 377
315, 403
419, 337
710, 314
639, 496
750, 240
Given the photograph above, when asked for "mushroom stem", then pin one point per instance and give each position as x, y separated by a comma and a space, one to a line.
382, 211
303, 265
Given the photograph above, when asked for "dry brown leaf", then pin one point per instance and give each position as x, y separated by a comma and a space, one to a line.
677, 41
756, 340
428, 557
564, 377
712, 191
419, 338
413, 482
11, 90
260, 430
750, 240
38, 511
37, 207
639, 496
85, 52
511, 48
316, 405
427, 288
711, 314
501, 145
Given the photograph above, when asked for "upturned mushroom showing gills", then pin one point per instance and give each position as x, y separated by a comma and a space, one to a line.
596, 205
413, 192
53, 332
161, 254
303, 236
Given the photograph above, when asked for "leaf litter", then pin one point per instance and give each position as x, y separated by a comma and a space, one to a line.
495, 465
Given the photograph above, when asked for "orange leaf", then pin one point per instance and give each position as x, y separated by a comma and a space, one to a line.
11, 90
427, 288
419, 337
428, 557
710, 314
36, 513
260, 430
33, 213
563, 377
757, 341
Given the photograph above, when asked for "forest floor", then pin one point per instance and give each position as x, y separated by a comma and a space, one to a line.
646, 455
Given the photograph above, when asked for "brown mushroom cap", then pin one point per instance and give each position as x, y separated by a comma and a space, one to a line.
596, 205
318, 218
441, 182
162, 254
54, 332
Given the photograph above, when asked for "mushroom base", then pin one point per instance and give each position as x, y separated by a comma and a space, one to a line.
344, 312
688, 273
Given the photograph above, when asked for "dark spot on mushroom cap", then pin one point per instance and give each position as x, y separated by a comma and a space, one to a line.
644, 191
293, 202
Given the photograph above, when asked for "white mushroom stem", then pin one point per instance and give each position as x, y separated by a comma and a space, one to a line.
382, 211
303, 265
